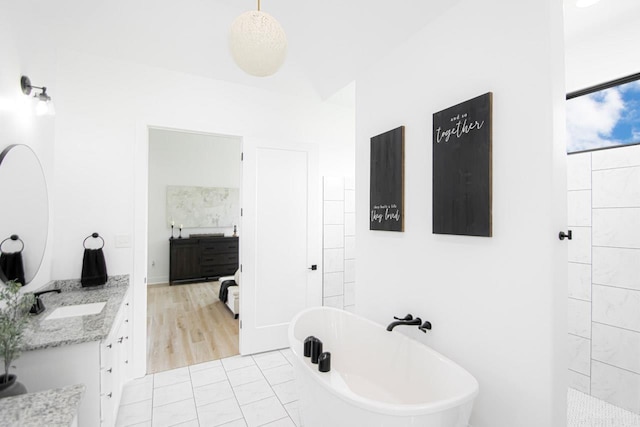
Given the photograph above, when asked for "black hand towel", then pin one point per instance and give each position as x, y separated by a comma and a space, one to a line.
12, 267
94, 268
223, 295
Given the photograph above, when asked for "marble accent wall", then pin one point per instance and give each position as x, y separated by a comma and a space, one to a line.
338, 235
604, 275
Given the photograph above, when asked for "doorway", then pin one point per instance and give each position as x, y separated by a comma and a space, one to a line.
253, 336
194, 182
604, 291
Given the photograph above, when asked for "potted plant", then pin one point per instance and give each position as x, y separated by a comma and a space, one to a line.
14, 308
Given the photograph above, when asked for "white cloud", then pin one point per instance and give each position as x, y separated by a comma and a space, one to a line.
592, 118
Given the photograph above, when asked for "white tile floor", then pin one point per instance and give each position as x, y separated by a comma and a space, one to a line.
238, 391
587, 411
259, 390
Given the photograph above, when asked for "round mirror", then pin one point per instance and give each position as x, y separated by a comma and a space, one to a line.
24, 216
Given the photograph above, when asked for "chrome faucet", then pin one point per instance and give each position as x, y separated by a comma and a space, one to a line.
406, 320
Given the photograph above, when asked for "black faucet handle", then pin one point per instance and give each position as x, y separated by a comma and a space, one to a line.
405, 318
426, 325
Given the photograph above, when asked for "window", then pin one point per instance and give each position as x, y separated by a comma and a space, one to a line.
604, 116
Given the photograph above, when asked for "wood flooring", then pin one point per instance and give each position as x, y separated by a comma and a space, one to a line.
188, 324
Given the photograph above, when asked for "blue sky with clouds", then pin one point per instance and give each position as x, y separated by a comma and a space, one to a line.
604, 119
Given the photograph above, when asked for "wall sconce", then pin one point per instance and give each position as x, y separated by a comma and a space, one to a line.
44, 105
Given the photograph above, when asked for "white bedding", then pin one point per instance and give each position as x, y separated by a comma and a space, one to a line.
233, 294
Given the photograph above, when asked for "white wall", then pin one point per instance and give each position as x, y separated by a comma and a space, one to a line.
103, 115
95, 139
497, 305
185, 158
21, 55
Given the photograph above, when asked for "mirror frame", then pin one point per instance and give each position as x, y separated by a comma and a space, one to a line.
40, 256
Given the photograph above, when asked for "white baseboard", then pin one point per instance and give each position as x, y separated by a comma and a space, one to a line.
157, 281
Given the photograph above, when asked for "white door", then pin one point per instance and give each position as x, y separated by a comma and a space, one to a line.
279, 241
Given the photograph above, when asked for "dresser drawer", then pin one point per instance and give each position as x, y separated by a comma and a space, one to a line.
217, 259
221, 270
219, 246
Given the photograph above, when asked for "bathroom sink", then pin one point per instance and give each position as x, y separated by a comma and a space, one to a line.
76, 310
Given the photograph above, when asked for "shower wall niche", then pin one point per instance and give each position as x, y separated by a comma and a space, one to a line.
604, 274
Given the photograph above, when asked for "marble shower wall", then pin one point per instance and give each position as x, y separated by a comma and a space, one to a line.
339, 242
604, 274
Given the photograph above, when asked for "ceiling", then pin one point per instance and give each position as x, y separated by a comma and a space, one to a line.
329, 42
600, 18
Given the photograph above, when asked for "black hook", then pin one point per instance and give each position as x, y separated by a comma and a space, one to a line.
562, 235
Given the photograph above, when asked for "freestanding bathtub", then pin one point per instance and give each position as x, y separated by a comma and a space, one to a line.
377, 378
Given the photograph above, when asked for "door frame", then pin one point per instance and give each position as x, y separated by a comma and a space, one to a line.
138, 282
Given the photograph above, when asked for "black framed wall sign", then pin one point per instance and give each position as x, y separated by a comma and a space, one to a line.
386, 193
462, 178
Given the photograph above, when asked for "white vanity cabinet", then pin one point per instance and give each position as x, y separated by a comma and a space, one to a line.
100, 364
115, 351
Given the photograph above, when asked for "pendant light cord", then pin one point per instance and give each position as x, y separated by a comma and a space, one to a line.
258, 5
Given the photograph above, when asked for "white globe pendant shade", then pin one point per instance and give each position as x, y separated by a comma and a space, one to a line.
258, 43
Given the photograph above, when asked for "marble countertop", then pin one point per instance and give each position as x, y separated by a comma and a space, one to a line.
41, 333
51, 408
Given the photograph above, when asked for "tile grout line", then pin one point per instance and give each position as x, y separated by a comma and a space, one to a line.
591, 278
287, 363
579, 373
630, 248
233, 389
153, 392
605, 208
274, 392
579, 299
616, 327
292, 380
193, 394
615, 287
617, 367
578, 336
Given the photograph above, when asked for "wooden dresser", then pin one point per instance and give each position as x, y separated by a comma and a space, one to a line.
202, 258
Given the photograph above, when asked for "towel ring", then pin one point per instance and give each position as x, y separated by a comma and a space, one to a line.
95, 236
13, 237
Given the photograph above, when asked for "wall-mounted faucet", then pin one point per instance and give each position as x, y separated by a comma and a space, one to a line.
406, 320
410, 321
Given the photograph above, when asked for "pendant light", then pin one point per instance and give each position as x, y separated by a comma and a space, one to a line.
258, 43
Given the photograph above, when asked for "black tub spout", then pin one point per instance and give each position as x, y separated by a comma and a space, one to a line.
412, 322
